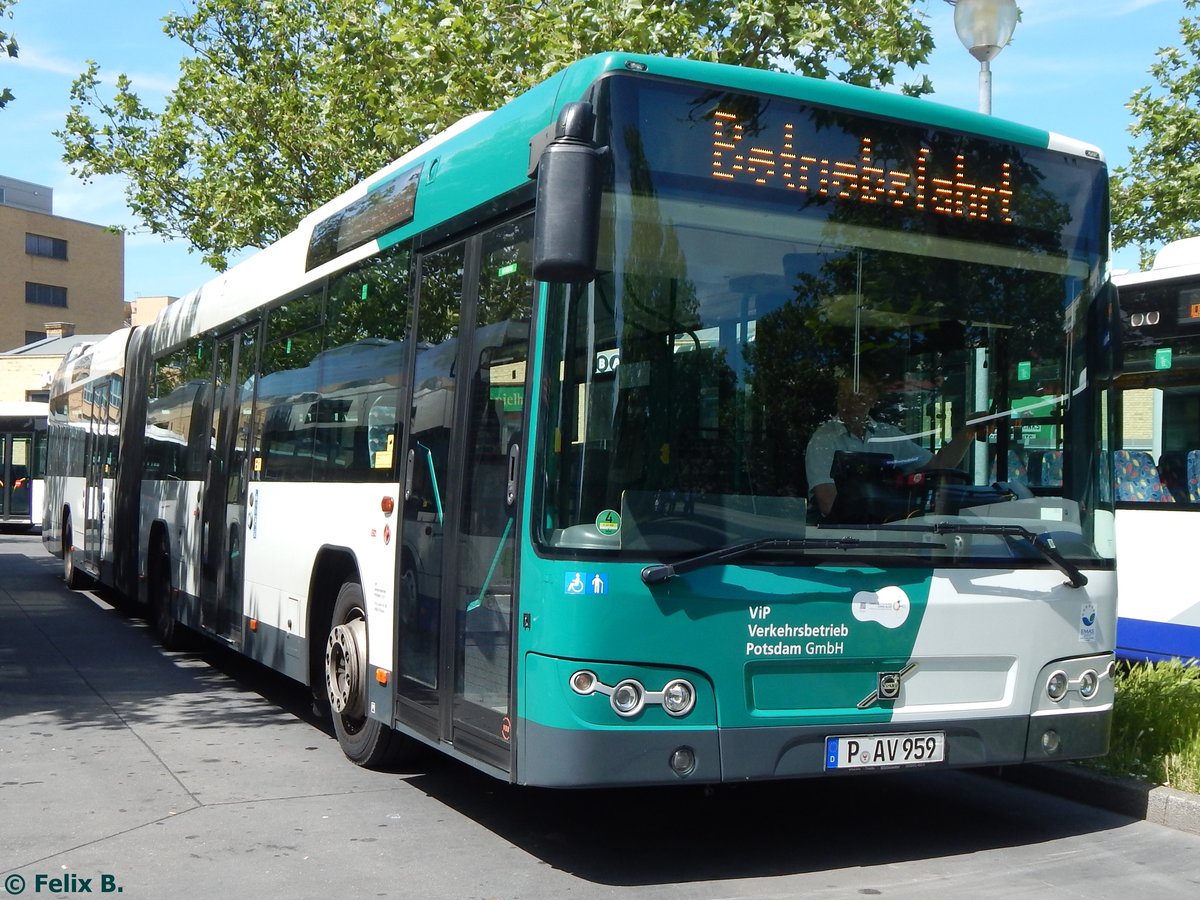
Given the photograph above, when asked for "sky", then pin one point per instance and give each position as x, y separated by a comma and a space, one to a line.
1071, 67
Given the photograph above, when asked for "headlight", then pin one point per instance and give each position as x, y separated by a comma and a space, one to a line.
628, 698
1089, 681
678, 697
1056, 685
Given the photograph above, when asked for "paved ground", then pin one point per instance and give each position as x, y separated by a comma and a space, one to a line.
1160, 805
198, 774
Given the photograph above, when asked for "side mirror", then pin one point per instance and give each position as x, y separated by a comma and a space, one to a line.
567, 219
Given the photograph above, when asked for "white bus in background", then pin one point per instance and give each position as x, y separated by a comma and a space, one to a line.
83, 419
1157, 464
22, 463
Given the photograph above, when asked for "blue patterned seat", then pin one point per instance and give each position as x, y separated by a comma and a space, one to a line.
1172, 468
1018, 472
1136, 478
1193, 476
1052, 468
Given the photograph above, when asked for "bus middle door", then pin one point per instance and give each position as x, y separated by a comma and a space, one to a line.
223, 507
96, 464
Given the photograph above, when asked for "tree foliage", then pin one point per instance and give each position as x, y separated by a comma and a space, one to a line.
8, 47
282, 104
1156, 198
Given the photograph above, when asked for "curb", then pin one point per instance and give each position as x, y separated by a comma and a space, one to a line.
1138, 800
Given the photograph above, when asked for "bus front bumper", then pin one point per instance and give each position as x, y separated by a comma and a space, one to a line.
554, 757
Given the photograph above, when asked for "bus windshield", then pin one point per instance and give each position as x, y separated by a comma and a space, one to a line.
810, 323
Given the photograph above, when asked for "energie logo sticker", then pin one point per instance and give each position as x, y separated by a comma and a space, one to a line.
889, 607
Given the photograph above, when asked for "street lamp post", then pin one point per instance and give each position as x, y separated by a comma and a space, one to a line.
985, 27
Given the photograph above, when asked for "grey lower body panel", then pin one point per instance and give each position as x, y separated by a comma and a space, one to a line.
553, 757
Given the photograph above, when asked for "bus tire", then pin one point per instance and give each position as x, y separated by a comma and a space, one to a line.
365, 741
167, 627
71, 575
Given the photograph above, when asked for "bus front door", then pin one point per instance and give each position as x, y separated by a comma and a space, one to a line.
458, 585
6, 477
16, 476
491, 399
223, 508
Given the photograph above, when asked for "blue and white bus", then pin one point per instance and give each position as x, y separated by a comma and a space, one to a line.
22, 463
1157, 461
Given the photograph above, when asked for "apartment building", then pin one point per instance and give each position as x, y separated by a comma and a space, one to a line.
54, 269
61, 283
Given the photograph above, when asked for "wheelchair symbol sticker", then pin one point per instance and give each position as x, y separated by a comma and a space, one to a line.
579, 583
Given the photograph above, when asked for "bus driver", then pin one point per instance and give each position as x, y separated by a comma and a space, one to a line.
853, 430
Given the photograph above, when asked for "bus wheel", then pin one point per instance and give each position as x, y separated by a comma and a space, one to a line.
365, 741
162, 617
71, 575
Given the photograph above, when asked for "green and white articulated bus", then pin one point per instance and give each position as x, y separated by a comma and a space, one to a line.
506, 451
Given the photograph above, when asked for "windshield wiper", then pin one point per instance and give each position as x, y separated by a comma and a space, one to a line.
660, 572
1040, 543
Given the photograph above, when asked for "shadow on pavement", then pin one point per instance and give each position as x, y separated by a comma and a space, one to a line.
93, 665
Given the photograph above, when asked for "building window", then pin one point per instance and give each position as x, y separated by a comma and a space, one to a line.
40, 245
45, 294
37, 396
34, 336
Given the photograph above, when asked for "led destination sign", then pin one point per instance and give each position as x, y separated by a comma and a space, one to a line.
757, 151
859, 178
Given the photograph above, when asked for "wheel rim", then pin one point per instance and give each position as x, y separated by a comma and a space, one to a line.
68, 553
345, 667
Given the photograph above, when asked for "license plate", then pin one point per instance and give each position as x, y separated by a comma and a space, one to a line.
872, 751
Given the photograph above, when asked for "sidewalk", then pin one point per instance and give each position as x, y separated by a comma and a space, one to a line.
1125, 796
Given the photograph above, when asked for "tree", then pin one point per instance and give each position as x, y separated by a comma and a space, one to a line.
286, 103
1156, 198
8, 46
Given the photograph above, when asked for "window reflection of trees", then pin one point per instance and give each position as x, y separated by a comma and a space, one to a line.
177, 417
728, 364
331, 370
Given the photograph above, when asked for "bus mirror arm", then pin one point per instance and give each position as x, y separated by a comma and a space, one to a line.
567, 218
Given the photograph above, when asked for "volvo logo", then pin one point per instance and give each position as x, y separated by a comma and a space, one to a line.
887, 686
